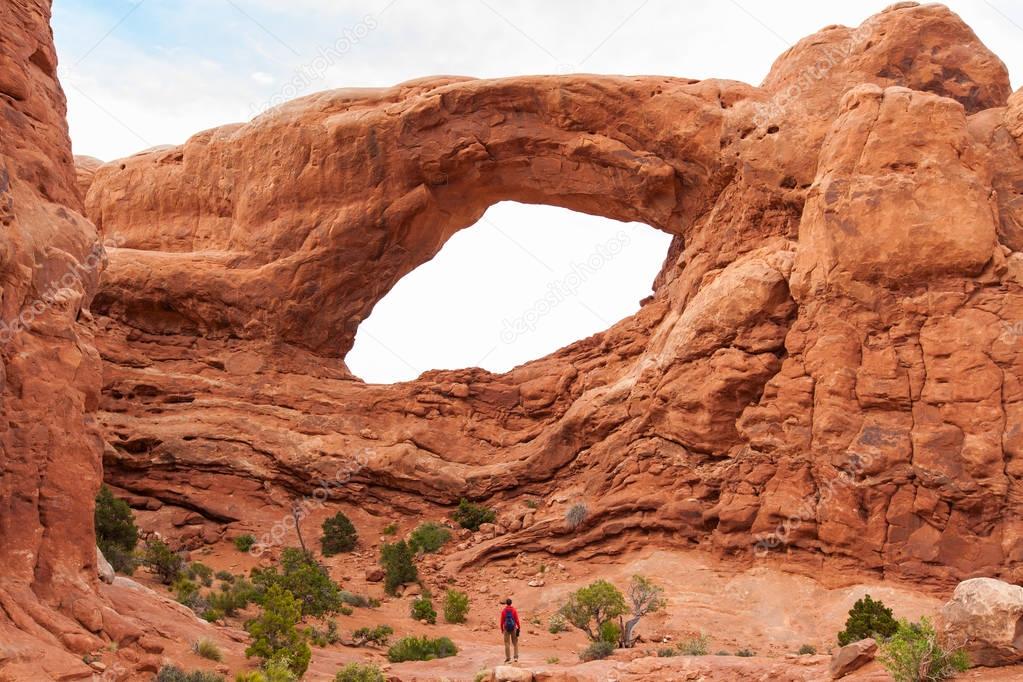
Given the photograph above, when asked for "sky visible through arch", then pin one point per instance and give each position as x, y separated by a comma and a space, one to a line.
140, 73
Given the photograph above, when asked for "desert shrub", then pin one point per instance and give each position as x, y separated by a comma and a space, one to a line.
243, 543
208, 649
322, 638
226, 576
339, 535
345, 610
200, 572
428, 537
305, 578
390, 529
172, 673
914, 654
232, 597
576, 515
807, 650
274, 632
551, 660
421, 649
597, 650
746, 653
667, 652
472, 516
397, 561
212, 615
610, 632
379, 635
456, 606
557, 623
694, 646
165, 563
353, 599
116, 534
531, 503
186, 592
422, 609
275, 670
868, 618
359, 672
590, 607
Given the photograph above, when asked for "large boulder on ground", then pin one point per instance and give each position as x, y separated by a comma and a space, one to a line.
985, 617
852, 657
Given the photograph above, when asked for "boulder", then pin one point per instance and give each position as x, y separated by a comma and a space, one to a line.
985, 617
508, 673
852, 657
374, 575
103, 568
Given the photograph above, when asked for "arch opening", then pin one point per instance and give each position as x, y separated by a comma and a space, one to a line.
522, 282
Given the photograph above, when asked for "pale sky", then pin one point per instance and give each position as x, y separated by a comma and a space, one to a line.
139, 73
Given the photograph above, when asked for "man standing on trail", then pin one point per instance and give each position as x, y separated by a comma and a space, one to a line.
511, 628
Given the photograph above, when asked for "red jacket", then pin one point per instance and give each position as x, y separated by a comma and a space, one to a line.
515, 615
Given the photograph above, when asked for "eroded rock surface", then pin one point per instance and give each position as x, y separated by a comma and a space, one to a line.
830, 365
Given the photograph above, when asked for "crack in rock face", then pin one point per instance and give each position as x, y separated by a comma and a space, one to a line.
829, 367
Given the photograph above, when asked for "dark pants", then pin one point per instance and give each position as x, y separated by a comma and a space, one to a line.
511, 639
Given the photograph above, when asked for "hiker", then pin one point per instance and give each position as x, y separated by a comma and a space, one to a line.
509, 624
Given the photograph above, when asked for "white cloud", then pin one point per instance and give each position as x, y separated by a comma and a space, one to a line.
262, 78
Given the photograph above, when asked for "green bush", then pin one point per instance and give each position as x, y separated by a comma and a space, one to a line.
868, 618
746, 653
531, 503
379, 635
322, 638
472, 516
159, 558
557, 623
232, 597
597, 650
914, 654
275, 670
610, 632
397, 561
207, 648
226, 576
422, 609
456, 606
243, 543
667, 652
807, 650
421, 649
390, 529
116, 534
359, 672
201, 572
590, 607
694, 646
274, 632
305, 578
339, 535
172, 673
187, 593
428, 537
353, 599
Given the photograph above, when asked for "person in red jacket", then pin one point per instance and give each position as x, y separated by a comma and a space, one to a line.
509, 624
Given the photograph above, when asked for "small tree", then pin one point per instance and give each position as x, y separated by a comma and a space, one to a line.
305, 578
166, 563
644, 597
339, 535
116, 534
456, 606
868, 618
590, 607
274, 632
472, 516
914, 654
396, 559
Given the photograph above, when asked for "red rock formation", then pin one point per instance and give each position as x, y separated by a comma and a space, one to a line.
829, 362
